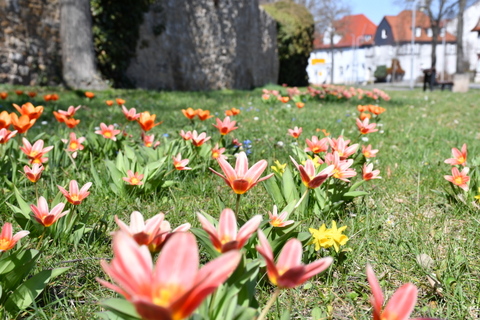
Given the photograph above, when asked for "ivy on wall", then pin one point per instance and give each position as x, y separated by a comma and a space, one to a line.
116, 26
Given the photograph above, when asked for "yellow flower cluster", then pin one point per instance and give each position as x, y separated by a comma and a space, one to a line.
278, 167
325, 238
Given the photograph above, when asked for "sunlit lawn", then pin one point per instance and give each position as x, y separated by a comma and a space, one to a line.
402, 228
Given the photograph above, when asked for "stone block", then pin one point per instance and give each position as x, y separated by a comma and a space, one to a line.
461, 82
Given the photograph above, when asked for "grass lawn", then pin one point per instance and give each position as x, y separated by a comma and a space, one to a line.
404, 229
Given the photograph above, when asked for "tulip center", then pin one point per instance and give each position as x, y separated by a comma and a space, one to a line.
74, 197
461, 159
134, 181
240, 186
107, 134
4, 244
458, 180
165, 295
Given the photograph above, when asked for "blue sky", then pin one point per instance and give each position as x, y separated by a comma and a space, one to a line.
375, 10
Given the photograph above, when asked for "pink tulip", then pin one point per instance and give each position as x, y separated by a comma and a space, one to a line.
180, 164
242, 179
365, 127
459, 157
225, 126
36, 152
307, 173
44, 216
317, 146
459, 178
108, 132
289, 272
369, 173
75, 196
172, 288
34, 173
399, 307
7, 239
225, 237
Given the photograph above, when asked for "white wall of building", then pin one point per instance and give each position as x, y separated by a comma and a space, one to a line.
470, 39
358, 65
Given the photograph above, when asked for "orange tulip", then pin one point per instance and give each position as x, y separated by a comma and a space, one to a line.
32, 94
189, 113
47, 97
3, 95
29, 110
376, 110
60, 117
54, 97
109, 103
300, 105
232, 112
203, 114
89, 95
147, 121
19, 92
365, 115
5, 120
361, 108
72, 123
22, 123
120, 102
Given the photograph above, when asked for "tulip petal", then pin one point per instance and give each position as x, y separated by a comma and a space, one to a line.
291, 255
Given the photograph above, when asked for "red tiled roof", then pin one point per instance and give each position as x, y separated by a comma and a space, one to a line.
351, 28
401, 25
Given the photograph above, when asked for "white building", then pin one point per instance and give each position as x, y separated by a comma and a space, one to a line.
361, 47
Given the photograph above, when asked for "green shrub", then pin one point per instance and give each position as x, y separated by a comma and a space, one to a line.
295, 29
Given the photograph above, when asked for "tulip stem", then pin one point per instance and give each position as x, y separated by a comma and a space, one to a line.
237, 206
300, 200
269, 304
40, 240
71, 159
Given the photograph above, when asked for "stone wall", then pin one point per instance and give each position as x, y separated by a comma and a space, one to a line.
30, 42
204, 45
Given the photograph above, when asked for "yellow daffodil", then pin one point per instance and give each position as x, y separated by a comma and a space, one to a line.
326, 238
478, 196
278, 167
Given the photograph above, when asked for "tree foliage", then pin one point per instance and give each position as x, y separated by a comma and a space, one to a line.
295, 27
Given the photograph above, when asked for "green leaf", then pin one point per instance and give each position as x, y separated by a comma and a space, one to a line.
121, 308
28, 291
274, 190
204, 239
354, 194
24, 207
290, 191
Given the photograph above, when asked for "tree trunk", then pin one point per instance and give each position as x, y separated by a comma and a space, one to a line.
460, 53
332, 50
78, 59
435, 31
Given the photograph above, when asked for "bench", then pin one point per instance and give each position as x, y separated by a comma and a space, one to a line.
444, 84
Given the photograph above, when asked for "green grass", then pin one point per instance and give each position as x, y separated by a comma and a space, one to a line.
400, 219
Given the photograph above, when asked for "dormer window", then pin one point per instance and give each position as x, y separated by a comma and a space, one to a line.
367, 37
418, 32
384, 34
429, 32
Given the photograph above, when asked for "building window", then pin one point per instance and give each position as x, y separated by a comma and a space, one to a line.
418, 32
367, 37
384, 34
429, 32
